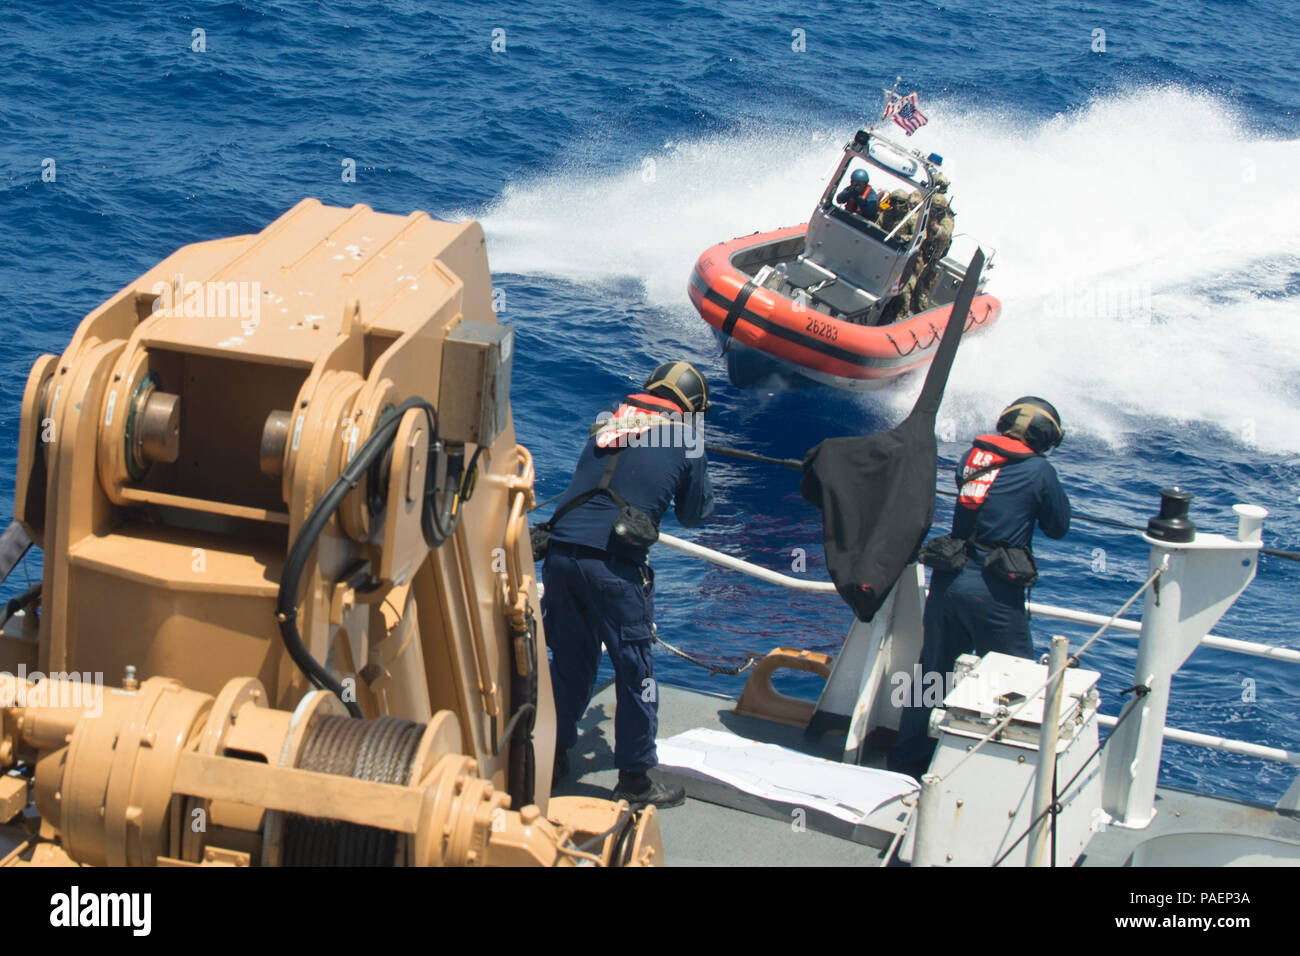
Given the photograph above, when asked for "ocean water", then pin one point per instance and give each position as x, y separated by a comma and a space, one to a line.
1142, 199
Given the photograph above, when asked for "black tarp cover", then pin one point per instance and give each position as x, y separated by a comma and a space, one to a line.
876, 492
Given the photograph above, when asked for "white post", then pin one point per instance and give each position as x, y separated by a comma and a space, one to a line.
926, 851
1202, 577
1048, 733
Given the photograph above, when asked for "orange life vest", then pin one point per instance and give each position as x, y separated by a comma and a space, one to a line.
983, 463
637, 414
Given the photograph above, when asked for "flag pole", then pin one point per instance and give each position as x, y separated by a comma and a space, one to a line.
890, 96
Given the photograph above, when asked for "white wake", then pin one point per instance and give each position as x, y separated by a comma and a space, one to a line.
1147, 251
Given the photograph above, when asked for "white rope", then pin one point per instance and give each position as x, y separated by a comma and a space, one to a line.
1002, 724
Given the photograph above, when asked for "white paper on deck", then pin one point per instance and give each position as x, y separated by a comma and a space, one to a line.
842, 790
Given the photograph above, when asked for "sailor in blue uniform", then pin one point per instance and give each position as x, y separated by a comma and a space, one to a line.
858, 197
598, 584
1006, 487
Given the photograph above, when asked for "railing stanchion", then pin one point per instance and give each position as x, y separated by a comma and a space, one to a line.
1048, 733
927, 849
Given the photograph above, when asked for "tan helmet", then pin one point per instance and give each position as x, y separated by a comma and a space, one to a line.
913, 199
941, 182
939, 203
898, 197
682, 383
1034, 421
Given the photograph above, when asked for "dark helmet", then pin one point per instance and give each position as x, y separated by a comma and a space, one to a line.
682, 383
1033, 421
860, 177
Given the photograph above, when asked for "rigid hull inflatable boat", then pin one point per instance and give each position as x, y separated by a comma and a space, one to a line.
822, 303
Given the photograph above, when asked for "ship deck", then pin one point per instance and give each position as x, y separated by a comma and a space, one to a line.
735, 829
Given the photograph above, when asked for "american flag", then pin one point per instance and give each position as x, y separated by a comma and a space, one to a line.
906, 113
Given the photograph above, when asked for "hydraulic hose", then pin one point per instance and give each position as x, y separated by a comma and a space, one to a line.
435, 532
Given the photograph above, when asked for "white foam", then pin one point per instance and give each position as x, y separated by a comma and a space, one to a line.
1134, 238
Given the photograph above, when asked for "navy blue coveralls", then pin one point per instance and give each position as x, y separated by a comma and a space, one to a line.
861, 202
598, 592
973, 611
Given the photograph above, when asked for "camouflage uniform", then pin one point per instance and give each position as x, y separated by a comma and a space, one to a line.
907, 294
906, 233
937, 242
902, 204
891, 216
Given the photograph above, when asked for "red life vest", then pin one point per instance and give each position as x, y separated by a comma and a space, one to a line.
634, 415
989, 452
860, 203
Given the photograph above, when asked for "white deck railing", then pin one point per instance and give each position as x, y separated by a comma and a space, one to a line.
1123, 625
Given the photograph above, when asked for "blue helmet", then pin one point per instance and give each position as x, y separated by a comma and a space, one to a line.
860, 177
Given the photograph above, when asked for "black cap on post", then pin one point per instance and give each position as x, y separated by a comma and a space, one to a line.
1172, 524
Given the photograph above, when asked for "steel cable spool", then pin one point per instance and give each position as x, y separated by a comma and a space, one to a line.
381, 751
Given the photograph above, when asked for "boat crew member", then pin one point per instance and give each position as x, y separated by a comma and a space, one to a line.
1006, 487
908, 229
598, 584
892, 212
858, 197
935, 245
902, 304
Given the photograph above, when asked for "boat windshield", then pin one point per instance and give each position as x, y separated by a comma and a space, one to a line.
872, 216
889, 168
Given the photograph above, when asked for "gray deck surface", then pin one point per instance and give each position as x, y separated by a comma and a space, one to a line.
706, 834
699, 833
1182, 811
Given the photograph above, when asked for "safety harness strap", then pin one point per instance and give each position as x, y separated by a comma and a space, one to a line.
602, 488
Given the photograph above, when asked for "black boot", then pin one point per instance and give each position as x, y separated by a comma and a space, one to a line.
561, 769
640, 789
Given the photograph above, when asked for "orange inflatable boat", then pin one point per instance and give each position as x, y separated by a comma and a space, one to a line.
823, 303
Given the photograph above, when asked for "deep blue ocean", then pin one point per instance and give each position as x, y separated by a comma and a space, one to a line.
1136, 165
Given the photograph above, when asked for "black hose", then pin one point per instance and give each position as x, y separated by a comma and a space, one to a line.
522, 762
470, 480
1279, 553
796, 465
286, 607
792, 463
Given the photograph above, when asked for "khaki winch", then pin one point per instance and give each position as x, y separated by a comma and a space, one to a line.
166, 775
285, 462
